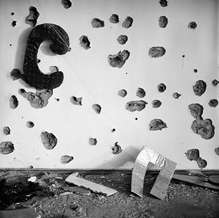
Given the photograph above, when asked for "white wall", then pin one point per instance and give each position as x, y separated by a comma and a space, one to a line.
88, 74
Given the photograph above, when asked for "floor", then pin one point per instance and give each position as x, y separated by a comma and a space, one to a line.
44, 193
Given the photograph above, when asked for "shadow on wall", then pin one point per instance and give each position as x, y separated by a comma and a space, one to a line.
125, 159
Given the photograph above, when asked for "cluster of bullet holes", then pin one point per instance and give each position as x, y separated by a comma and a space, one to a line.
194, 155
203, 127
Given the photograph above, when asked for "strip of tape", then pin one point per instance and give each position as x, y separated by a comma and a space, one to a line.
149, 159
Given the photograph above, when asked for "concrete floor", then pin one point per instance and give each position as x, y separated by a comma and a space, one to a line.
50, 196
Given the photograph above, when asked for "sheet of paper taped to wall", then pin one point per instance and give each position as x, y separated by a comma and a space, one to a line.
149, 159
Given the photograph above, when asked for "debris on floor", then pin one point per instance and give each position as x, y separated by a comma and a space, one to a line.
73, 178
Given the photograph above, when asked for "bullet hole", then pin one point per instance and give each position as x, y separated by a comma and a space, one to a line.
48, 140
38, 60
192, 154
183, 56
12, 13
119, 59
114, 18
161, 87
116, 149
97, 23
29, 124
15, 74
122, 93
140, 93
200, 87
202, 163
6, 130
204, 128
156, 52
163, 3
156, 103
213, 103
76, 100
163, 21
66, 159
39, 99
13, 102
195, 71
136, 118
6, 147
127, 23
84, 42
92, 141
97, 108
57, 99
30, 167
176, 95
13, 23
216, 150
196, 110
157, 124
192, 25
66, 4
10, 44
32, 17
113, 130
138, 105
215, 82
122, 39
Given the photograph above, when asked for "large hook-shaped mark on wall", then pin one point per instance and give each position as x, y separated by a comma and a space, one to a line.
59, 45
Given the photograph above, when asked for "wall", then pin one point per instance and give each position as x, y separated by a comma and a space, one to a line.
88, 74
